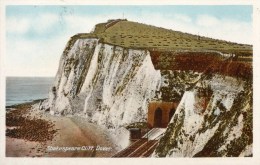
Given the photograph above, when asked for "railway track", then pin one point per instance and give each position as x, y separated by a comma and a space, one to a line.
143, 147
143, 150
140, 148
130, 149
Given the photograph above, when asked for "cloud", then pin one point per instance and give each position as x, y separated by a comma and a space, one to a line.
226, 29
17, 26
207, 21
33, 57
38, 24
182, 18
44, 22
84, 24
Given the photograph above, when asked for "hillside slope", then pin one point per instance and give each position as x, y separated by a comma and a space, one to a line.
141, 36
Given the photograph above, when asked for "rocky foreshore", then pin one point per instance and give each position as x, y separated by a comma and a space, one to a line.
34, 133
23, 126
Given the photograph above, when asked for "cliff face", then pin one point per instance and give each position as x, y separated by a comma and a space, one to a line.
108, 84
217, 122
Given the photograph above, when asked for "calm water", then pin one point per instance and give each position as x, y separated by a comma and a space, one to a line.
26, 89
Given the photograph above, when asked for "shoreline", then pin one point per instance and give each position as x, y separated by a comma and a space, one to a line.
34, 133
25, 103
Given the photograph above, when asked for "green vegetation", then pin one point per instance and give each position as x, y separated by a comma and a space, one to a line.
171, 137
137, 125
141, 36
176, 82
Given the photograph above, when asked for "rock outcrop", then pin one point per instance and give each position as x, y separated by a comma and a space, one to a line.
219, 126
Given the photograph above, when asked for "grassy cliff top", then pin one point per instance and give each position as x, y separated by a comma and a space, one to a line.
141, 36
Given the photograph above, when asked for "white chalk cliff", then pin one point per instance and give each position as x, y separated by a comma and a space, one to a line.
108, 84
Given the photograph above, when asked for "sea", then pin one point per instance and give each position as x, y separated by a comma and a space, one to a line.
26, 89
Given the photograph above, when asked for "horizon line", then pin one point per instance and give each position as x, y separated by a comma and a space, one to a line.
31, 76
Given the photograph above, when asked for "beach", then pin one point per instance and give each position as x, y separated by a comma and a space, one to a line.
34, 133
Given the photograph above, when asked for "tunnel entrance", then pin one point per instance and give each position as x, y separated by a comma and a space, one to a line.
158, 118
160, 113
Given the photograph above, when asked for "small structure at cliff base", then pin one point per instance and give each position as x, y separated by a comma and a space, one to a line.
160, 113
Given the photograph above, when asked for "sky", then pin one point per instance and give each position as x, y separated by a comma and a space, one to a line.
37, 35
